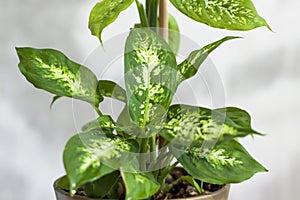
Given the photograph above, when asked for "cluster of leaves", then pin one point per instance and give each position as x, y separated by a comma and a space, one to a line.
136, 152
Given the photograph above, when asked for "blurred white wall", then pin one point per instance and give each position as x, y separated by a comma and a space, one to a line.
260, 74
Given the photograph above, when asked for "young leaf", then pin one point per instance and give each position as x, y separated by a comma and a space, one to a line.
52, 71
192, 125
85, 154
111, 89
142, 14
227, 162
193, 182
189, 67
150, 76
189, 179
174, 34
139, 186
229, 14
104, 13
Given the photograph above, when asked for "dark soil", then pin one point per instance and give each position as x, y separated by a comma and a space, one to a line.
183, 189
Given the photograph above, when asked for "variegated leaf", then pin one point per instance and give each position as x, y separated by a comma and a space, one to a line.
104, 13
52, 71
150, 76
191, 125
92, 154
225, 14
227, 162
139, 185
239, 119
105, 122
107, 125
111, 89
189, 67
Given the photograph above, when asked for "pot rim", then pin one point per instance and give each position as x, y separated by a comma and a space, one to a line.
200, 197
211, 195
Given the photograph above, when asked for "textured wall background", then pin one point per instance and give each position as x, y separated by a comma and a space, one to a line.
260, 74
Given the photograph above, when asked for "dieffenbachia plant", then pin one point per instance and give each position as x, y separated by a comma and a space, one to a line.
131, 156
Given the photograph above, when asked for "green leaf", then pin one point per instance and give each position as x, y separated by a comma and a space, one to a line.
55, 98
103, 186
150, 76
107, 125
62, 183
227, 162
105, 122
50, 70
125, 122
192, 125
174, 34
193, 182
111, 89
142, 14
189, 67
240, 119
139, 186
87, 155
229, 14
189, 179
104, 13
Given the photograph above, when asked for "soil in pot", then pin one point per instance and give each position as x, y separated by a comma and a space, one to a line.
182, 190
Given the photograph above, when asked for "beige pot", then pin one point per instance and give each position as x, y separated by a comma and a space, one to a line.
221, 194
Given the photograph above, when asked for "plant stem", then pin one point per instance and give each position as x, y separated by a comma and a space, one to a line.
147, 6
163, 31
201, 187
98, 111
163, 19
171, 185
164, 172
152, 143
143, 156
152, 7
142, 14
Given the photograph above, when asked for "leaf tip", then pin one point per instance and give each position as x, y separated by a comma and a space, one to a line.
18, 50
270, 29
54, 100
101, 41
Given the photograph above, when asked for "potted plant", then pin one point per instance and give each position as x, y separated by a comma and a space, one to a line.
137, 155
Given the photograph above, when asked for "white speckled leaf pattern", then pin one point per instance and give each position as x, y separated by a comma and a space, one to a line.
192, 124
51, 70
111, 89
150, 76
85, 153
226, 162
225, 14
